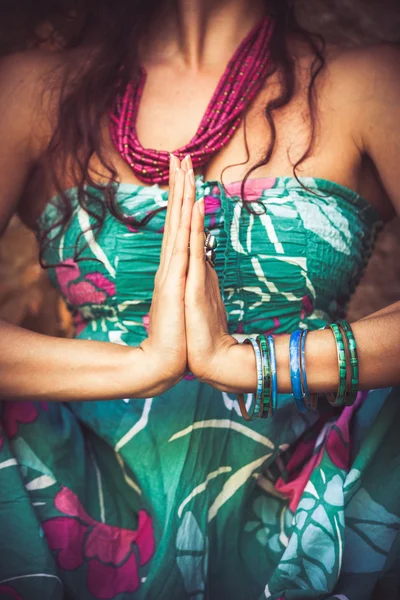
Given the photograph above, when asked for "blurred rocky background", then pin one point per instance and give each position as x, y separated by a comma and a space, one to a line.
27, 298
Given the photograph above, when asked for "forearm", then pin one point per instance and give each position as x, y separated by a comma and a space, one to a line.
39, 367
378, 345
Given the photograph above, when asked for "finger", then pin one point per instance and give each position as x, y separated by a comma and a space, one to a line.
190, 184
174, 163
189, 195
189, 192
197, 264
178, 264
186, 163
175, 213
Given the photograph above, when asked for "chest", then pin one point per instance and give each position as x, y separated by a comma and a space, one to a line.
173, 104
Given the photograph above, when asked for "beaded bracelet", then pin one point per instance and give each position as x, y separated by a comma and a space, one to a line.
274, 379
256, 404
310, 399
266, 366
295, 376
352, 390
338, 400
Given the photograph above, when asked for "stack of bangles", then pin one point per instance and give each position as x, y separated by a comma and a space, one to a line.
265, 402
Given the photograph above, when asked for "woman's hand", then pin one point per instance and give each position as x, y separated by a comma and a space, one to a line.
208, 340
166, 342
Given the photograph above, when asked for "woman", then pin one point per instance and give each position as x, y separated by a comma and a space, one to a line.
127, 469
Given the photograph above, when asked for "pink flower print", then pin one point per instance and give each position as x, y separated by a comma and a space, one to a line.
338, 444
146, 322
254, 187
15, 413
189, 376
299, 468
101, 282
307, 307
112, 564
274, 328
8, 592
294, 489
239, 328
212, 205
93, 289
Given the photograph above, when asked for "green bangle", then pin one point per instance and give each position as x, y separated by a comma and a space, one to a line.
338, 400
257, 399
351, 394
266, 364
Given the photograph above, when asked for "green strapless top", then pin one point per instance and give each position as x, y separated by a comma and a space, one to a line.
295, 263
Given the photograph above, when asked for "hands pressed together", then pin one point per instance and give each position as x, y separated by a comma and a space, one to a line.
188, 324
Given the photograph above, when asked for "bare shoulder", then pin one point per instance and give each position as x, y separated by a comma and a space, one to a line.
29, 93
366, 85
23, 76
365, 74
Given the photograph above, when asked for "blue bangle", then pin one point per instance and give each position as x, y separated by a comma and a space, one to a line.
256, 405
303, 369
295, 376
274, 379
311, 399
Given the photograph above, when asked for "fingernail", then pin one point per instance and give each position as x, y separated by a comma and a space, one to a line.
191, 176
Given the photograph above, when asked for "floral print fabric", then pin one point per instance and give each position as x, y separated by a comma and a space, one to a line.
176, 497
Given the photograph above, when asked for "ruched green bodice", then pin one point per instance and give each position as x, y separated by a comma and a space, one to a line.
295, 263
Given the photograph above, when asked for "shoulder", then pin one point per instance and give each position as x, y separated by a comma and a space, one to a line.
368, 82
357, 69
24, 97
30, 84
23, 75
362, 86
368, 74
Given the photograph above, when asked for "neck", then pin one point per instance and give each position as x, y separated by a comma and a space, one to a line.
201, 33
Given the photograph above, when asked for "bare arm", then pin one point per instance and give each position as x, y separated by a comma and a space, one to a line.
39, 367
215, 357
378, 344
34, 366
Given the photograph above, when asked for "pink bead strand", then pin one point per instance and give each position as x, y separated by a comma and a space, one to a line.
242, 79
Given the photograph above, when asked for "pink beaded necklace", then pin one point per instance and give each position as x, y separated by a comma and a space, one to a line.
242, 80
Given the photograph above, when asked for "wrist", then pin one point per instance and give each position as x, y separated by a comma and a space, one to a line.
156, 375
234, 370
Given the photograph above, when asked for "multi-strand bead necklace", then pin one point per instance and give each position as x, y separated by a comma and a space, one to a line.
242, 80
